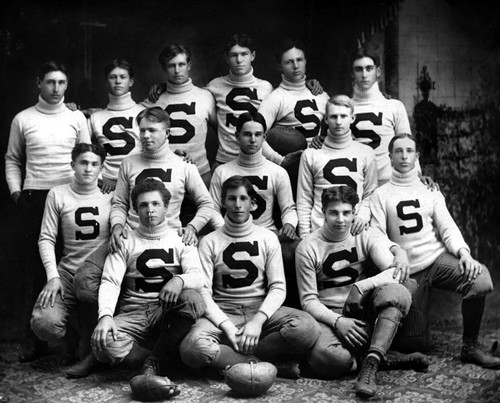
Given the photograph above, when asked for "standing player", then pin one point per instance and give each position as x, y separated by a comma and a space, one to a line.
357, 313
419, 221
191, 109
157, 161
115, 127
80, 211
40, 143
148, 289
244, 287
340, 161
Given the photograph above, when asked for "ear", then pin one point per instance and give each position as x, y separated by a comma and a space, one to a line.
253, 205
379, 71
73, 165
252, 56
131, 82
167, 132
189, 66
38, 82
353, 117
417, 154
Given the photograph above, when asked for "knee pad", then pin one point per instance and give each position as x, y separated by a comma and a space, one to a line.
395, 295
481, 286
197, 351
190, 304
47, 327
88, 277
330, 362
115, 350
302, 331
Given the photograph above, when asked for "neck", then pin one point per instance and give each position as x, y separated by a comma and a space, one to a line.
404, 179
153, 232
159, 153
334, 236
245, 78
251, 160
179, 88
83, 188
293, 85
120, 102
371, 93
50, 109
237, 230
338, 142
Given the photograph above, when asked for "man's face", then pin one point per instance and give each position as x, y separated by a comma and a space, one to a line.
365, 73
403, 155
251, 137
339, 119
87, 168
119, 81
293, 65
238, 205
153, 134
151, 209
339, 217
53, 86
240, 60
177, 69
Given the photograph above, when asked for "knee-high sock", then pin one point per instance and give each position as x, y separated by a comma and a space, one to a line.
472, 314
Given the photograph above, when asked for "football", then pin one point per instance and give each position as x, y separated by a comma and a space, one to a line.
149, 388
286, 141
250, 379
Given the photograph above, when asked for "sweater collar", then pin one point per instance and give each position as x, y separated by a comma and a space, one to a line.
120, 102
50, 109
81, 188
241, 79
157, 232
179, 88
160, 153
332, 236
370, 94
292, 86
338, 142
406, 179
237, 230
251, 160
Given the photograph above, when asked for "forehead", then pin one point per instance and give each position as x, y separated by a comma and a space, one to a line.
292, 53
88, 156
339, 206
363, 62
404, 143
55, 75
119, 71
239, 49
149, 196
180, 58
252, 127
332, 109
146, 123
235, 192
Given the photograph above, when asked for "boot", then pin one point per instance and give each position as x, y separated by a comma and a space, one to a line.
151, 366
82, 368
149, 386
396, 360
385, 329
473, 353
366, 385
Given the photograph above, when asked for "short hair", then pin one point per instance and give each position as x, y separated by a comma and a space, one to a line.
234, 182
341, 100
253, 116
286, 45
150, 185
365, 52
81, 148
402, 136
121, 63
343, 194
171, 51
243, 40
154, 114
50, 66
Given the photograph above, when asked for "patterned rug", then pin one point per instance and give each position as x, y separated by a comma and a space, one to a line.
448, 380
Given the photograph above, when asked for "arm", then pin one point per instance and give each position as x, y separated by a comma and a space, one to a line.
289, 217
119, 211
369, 185
202, 199
84, 132
215, 193
14, 158
305, 195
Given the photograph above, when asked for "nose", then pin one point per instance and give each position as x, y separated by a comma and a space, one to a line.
177, 69
252, 138
340, 218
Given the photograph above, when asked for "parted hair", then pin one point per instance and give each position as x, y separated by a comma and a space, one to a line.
50, 66
286, 45
359, 53
121, 63
253, 116
341, 100
234, 182
81, 148
154, 114
243, 40
169, 52
402, 136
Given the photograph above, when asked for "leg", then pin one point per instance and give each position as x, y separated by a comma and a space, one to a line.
292, 293
88, 277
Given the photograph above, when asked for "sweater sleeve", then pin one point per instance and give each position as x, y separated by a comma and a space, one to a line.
84, 132
378, 280
401, 120
369, 186
120, 201
113, 273
215, 193
48, 236
308, 288
271, 154
191, 268
378, 214
201, 197
15, 156
305, 194
285, 200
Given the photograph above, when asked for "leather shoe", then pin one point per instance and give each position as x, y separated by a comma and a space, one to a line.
472, 353
82, 368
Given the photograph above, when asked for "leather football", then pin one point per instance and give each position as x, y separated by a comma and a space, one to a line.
252, 378
152, 388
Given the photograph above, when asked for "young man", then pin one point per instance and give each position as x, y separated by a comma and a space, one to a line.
157, 161
191, 109
340, 161
148, 289
40, 143
80, 211
419, 221
244, 287
271, 183
115, 127
357, 313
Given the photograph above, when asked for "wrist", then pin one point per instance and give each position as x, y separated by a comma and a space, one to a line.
116, 227
192, 228
336, 322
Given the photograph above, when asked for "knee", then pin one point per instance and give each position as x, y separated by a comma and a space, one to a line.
301, 331
330, 361
190, 304
481, 286
198, 351
47, 324
392, 295
115, 350
86, 283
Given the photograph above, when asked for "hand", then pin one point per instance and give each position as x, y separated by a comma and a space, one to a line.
291, 159
106, 185
230, 330
359, 225
169, 294
427, 181
287, 233
250, 333
469, 267
116, 241
106, 324
71, 106
187, 157
89, 111
317, 142
355, 302
15, 196
351, 331
155, 91
50, 291
401, 263
314, 86
188, 234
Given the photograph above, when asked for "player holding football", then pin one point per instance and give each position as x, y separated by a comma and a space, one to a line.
419, 221
244, 288
357, 313
148, 289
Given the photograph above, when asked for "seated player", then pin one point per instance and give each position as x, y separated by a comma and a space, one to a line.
357, 313
148, 288
81, 213
115, 127
271, 182
419, 221
340, 161
244, 287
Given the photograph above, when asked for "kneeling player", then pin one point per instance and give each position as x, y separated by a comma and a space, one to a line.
333, 287
158, 276
244, 290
